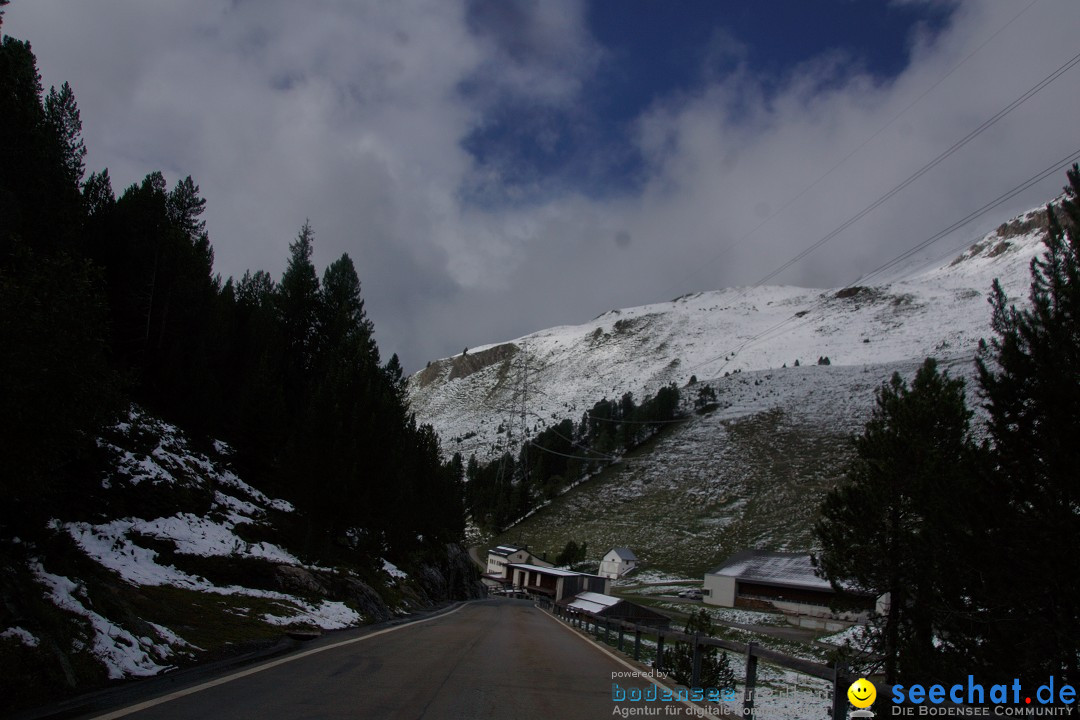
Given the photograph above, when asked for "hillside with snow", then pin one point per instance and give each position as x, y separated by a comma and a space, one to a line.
752, 472
175, 559
562, 371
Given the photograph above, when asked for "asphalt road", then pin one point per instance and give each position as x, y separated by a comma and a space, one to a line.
487, 659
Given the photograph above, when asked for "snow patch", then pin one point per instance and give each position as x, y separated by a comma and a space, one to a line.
24, 636
123, 654
393, 570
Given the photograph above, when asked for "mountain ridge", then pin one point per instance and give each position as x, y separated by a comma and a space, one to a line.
559, 372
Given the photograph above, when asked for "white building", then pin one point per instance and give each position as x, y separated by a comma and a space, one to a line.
554, 583
497, 574
617, 563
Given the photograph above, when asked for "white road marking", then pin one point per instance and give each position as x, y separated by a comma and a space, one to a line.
259, 668
696, 710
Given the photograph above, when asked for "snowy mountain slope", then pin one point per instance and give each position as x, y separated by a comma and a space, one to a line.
175, 560
941, 311
750, 474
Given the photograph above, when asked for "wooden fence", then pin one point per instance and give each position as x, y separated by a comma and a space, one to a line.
837, 675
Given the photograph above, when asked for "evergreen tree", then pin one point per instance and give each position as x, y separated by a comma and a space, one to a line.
1030, 377
255, 374
706, 399
56, 385
343, 316
568, 555
299, 300
883, 530
715, 670
184, 206
62, 116
98, 195
37, 201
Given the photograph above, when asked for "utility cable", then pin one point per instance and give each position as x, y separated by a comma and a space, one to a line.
861, 145
944, 155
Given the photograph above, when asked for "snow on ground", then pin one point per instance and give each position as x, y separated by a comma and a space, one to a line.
854, 636
393, 570
169, 460
110, 545
123, 654
326, 615
939, 312
650, 577
780, 693
660, 589
25, 637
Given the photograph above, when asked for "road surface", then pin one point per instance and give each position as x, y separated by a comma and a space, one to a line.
487, 659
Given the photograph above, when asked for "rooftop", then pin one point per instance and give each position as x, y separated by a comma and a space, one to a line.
591, 602
773, 568
624, 553
549, 570
505, 550
598, 598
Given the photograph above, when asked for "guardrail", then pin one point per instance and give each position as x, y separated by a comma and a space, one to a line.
838, 675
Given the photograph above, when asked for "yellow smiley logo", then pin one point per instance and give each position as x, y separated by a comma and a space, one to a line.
862, 693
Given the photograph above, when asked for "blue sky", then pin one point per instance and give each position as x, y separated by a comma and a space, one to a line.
652, 51
495, 167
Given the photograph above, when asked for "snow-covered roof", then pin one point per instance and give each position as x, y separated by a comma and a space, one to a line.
504, 550
592, 602
547, 570
624, 553
773, 568
600, 598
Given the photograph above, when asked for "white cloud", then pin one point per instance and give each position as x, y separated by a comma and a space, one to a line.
355, 114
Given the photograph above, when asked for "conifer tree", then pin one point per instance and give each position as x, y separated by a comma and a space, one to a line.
62, 115
299, 298
98, 194
882, 530
1030, 377
342, 307
715, 671
184, 206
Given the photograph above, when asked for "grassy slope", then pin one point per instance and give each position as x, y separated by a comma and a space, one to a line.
752, 474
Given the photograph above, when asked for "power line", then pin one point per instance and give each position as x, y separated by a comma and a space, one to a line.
1030, 182
572, 442
941, 157
603, 456
634, 422
864, 143
1005, 197
944, 155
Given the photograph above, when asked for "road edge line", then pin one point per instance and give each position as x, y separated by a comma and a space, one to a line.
147, 704
697, 710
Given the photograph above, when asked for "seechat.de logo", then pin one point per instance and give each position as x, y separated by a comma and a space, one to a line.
862, 694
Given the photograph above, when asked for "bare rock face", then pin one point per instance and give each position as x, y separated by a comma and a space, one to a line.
293, 579
466, 363
361, 596
457, 579
333, 586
